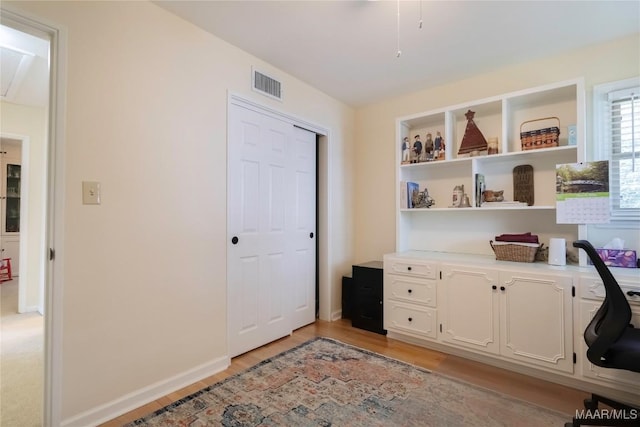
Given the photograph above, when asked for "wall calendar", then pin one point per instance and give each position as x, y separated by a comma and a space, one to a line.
582, 193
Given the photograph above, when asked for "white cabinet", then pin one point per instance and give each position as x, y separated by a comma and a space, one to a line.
536, 318
410, 297
10, 192
498, 117
526, 317
592, 293
520, 315
631, 380
469, 307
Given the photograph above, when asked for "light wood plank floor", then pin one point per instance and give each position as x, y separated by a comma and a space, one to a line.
540, 392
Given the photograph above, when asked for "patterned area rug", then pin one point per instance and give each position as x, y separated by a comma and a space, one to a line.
327, 383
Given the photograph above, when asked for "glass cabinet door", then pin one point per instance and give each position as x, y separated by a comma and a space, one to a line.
12, 200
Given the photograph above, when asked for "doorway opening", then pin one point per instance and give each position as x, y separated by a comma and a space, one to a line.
27, 119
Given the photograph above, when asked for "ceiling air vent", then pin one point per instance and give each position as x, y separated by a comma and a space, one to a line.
267, 85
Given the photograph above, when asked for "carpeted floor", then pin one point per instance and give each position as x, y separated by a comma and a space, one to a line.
324, 382
21, 362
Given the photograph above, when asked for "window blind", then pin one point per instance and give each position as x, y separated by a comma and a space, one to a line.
624, 133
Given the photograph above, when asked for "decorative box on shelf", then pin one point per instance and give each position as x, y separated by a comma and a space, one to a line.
540, 138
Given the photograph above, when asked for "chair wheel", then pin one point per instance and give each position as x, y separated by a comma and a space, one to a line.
590, 404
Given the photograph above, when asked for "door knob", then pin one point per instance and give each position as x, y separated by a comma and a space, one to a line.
234, 240
311, 235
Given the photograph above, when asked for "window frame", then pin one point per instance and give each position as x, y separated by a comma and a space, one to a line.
602, 142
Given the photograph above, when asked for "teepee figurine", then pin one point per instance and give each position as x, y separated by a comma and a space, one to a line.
473, 140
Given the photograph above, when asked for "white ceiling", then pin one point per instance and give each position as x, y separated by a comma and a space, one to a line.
24, 70
347, 49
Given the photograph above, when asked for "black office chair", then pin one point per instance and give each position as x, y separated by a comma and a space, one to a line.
613, 343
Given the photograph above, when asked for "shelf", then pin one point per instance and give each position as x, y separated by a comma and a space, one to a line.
515, 155
436, 163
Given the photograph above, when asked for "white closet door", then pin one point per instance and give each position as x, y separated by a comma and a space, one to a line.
304, 263
263, 222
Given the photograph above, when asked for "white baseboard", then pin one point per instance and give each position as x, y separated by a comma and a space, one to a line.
31, 309
336, 315
141, 397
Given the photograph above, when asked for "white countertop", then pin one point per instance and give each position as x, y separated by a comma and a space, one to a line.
627, 274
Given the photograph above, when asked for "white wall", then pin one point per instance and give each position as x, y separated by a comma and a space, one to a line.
144, 287
375, 130
31, 122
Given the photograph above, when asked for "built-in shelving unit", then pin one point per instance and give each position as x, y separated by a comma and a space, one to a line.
500, 117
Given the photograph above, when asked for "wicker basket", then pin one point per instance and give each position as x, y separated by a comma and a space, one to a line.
517, 253
539, 138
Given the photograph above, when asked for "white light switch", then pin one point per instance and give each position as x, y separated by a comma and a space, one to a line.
90, 193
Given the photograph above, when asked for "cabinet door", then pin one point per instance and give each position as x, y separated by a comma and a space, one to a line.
536, 319
620, 378
468, 307
11, 184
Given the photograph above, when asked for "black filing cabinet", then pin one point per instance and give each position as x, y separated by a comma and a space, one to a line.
367, 297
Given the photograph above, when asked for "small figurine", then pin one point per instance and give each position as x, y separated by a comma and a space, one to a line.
473, 141
421, 199
438, 146
405, 150
417, 149
428, 147
458, 194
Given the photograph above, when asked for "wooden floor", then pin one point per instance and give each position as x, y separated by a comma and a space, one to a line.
540, 392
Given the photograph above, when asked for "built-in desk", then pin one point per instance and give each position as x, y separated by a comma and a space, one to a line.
526, 317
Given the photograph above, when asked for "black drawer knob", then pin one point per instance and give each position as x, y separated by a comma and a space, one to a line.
494, 287
410, 319
409, 268
502, 288
409, 290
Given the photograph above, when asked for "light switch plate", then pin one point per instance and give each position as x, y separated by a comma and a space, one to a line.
90, 193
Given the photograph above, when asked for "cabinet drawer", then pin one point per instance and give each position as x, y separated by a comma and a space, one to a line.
412, 268
407, 318
409, 289
591, 287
